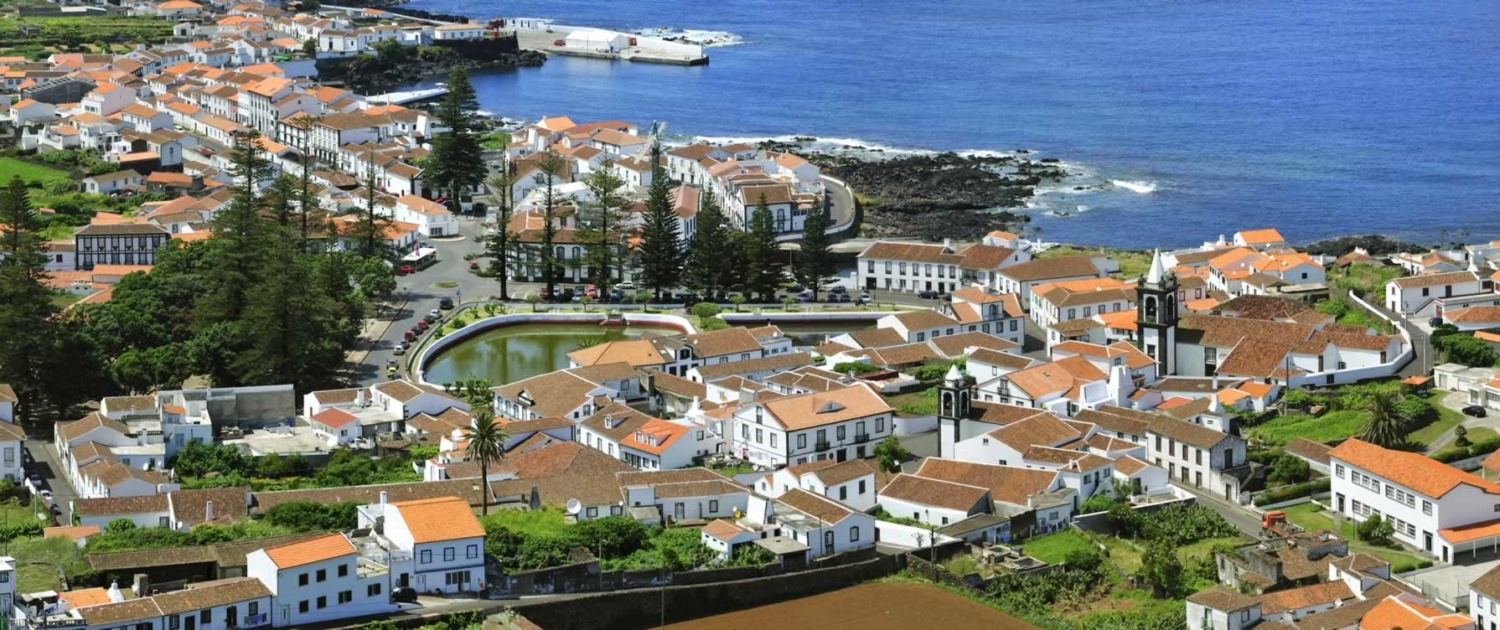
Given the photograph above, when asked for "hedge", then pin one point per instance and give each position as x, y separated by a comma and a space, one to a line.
1455, 453
1292, 491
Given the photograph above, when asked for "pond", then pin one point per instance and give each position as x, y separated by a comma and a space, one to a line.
512, 353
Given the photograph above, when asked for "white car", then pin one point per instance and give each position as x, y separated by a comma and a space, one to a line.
625, 286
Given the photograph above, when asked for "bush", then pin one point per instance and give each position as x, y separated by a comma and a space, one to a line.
1293, 491
1098, 503
311, 516
1176, 525
705, 310
855, 368
1287, 469
1375, 529
1417, 411
1465, 350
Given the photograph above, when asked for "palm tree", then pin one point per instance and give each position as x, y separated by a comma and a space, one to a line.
1385, 427
487, 446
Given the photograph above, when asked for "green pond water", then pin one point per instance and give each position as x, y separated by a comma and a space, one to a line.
513, 353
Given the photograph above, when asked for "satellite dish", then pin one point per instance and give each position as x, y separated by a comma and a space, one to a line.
574, 507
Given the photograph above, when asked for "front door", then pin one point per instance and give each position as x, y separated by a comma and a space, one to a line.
842, 454
1427, 541
190, 622
1228, 492
405, 580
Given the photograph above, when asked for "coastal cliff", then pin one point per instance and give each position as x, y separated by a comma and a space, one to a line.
394, 66
944, 195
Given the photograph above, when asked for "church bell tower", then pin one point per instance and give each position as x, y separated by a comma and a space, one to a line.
1156, 316
953, 410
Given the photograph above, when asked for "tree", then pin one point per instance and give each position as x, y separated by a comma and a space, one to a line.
239, 236
1288, 468
660, 252
499, 241
1385, 427
1375, 529
1161, 568
368, 230
599, 226
310, 47
289, 327
27, 314
457, 161
762, 254
891, 452
486, 446
704, 268
814, 262
1465, 350
305, 122
549, 167
1461, 436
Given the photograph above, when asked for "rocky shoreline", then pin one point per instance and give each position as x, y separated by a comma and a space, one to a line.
940, 195
404, 66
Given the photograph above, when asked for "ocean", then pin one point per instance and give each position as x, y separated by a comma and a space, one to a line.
1319, 118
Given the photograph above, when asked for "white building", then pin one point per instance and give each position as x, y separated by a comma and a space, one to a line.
445, 542
1423, 296
825, 526
1434, 507
320, 579
851, 482
840, 424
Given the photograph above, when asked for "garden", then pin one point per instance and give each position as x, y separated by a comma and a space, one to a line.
1136, 577
1383, 412
541, 539
1312, 517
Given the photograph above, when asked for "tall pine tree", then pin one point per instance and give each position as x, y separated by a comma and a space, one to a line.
599, 226
762, 254
237, 246
814, 262
549, 169
499, 242
26, 308
660, 254
456, 164
367, 233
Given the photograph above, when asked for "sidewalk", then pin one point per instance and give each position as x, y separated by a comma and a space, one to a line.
373, 331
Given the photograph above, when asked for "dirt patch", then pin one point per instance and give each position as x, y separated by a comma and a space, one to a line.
866, 607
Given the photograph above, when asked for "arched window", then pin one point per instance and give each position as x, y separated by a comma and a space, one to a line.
1151, 308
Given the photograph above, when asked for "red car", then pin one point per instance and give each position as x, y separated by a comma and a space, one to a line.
405, 269
591, 291
410, 336
422, 323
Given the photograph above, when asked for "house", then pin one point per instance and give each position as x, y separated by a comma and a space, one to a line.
1021, 277
8, 402
432, 218
933, 501
117, 244
320, 579
999, 314
1218, 608
840, 424
110, 183
561, 394
849, 482
1037, 498
691, 494
444, 540
454, 32
12, 449
1198, 457
825, 526
1432, 506
1265, 238
1483, 595
643, 441
1423, 296
909, 267
725, 536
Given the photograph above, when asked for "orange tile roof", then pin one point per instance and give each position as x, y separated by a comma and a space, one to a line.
1396, 612
439, 519
1264, 235
309, 551
333, 417
723, 529
74, 532
1474, 531
1420, 473
85, 597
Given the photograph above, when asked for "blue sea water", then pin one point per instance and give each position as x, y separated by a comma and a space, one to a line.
1321, 118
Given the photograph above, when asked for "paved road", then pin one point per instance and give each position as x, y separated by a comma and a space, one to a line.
45, 461
841, 210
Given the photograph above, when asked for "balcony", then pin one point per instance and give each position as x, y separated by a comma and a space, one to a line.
861, 438
822, 445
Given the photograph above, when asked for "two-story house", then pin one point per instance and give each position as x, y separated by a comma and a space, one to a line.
839, 424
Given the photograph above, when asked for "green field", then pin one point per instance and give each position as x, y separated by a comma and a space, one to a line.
1054, 548
74, 31
30, 172
1331, 426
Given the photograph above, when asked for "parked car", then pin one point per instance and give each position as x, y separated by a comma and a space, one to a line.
434, 313
927, 294
843, 297
400, 349
796, 288
1435, 322
837, 288
431, 319
474, 265
404, 596
405, 269
423, 325
446, 304
1476, 411
410, 336
864, 297
625, 286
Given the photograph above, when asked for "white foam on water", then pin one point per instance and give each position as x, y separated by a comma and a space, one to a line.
1135, 186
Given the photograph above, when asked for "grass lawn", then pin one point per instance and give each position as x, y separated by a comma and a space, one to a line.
1204, 548
1054, 548
531, 522
37, 560
1334, 425
919, 403
1133, 264
30, 172
1481, 433
1123, 553
1447, 419
1401, 560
